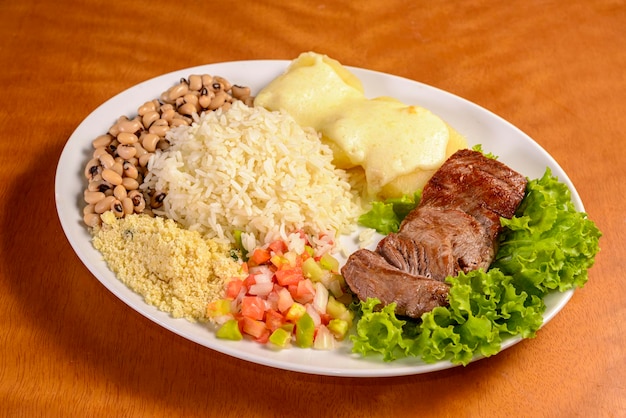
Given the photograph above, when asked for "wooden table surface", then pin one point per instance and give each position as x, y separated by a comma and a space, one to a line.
69, 347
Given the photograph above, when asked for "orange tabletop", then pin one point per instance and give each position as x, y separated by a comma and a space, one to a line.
69, 347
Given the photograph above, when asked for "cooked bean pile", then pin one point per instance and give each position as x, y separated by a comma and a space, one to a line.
120, 157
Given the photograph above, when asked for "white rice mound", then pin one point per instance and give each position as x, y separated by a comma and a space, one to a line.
252, 170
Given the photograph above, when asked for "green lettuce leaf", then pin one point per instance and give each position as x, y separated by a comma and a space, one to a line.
385, 217
378, 331
548, 245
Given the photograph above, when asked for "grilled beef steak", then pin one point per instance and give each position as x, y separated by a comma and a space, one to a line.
454, 228
377, 278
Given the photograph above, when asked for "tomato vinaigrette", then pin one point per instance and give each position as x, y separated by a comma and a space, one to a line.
292, 294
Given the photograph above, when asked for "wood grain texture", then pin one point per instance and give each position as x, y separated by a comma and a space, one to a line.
68, 347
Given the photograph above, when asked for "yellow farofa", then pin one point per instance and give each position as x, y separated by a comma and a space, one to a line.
174, 269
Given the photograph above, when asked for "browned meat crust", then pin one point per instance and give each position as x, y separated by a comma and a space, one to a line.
455, 228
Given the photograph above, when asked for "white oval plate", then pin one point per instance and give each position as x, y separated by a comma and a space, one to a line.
478, 125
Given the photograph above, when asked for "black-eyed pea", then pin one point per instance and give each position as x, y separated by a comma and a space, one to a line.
149, 118
149, 142
218, 100
114, 130
167, 115
164, 97
140, 149
89, 209
130, 169
195, 82
127, 138
216, 86
98, 186
102, 141
127, 204
112, 147
107, 160
94, 186
130, 183
92, 220
126, 151
249, 101
118, 167
99, 151
240, 92
139, 202
207, 80
158, 128
177, 91
120, 192
147, 107
129, 126
104, 204
93, 197
145, 159
187, 109
117, 208
205, 99
191, 98
226, 106
163, 144
112, 176
179, 122
157, 200
92, 168
225, 83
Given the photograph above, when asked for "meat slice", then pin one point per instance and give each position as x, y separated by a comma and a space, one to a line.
438, 243
455, 228
369, 275
482, 187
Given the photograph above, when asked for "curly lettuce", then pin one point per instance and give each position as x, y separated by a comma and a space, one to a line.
547, 246
385, 217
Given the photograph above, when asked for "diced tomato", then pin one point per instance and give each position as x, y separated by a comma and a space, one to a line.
259, 256
278, 247
293, 290
233, 288
249, 281
254, 328
264, 337
305, 292
285, 300
271, 300
274, 320
288, 276
253, 307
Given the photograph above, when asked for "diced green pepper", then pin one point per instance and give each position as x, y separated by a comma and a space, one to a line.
328, 262
312, 270
339, 328
280, 337
305, 330
229, 331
